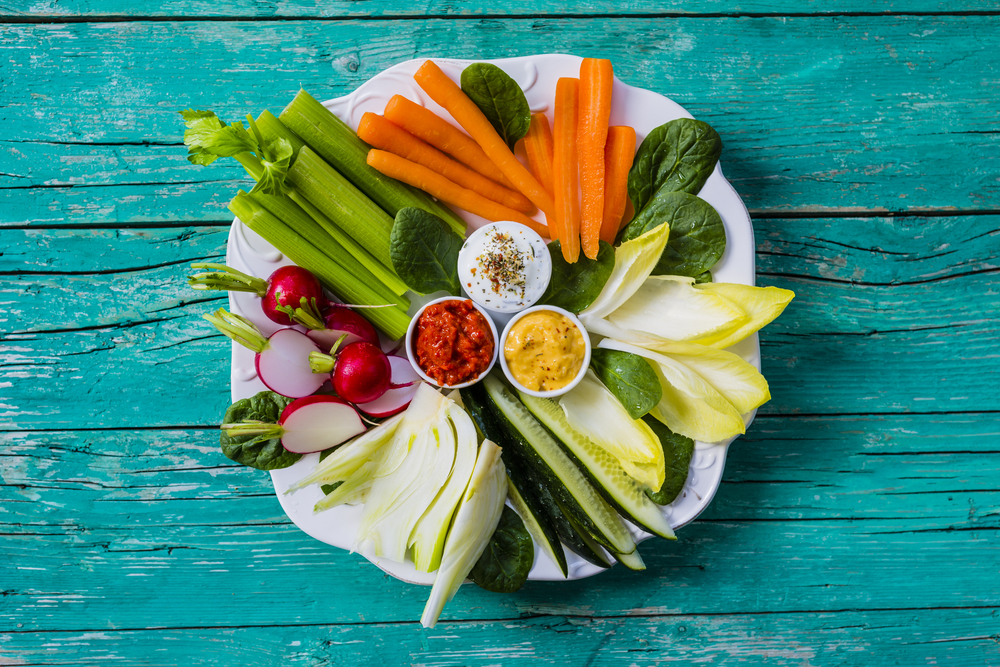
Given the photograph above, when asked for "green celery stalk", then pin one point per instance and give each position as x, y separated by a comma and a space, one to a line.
271, 127
343, 203
340, 146
393, 321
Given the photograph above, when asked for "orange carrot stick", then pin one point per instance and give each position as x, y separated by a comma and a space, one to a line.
538, 146
442, 135
446, 92
380, 133
438, 186
596, 77
618, 155
565, 172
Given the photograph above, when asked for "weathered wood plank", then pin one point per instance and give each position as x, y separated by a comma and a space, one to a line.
860, 512
908, 87
96, 9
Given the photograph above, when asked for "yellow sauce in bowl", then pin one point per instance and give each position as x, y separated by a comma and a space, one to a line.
544, 350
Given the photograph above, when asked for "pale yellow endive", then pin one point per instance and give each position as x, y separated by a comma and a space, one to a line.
761, 305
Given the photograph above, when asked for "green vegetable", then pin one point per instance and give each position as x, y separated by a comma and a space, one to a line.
632, 561
576, 286
344, 151
424, 252
630, 378
677, 452
499, 98
504, 565
537, 524
702, 278
697, 233
678, 156
257, 451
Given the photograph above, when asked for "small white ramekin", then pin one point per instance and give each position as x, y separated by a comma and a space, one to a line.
552, 392
408, 341
467, 266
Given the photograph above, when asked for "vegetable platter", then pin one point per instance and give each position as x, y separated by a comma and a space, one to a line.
649, 331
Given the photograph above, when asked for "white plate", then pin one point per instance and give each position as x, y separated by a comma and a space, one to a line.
537, 75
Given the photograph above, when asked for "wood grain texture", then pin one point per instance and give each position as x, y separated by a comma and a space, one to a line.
817, 114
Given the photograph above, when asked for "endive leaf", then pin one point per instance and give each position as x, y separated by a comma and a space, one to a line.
634, 260
670, 307
760, 304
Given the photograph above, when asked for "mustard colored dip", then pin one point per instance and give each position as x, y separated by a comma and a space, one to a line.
544, 350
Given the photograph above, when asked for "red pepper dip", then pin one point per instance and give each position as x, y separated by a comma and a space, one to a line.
454, 343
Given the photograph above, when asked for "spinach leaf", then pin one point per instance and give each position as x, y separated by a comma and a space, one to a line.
575, 286
500, 98
504, 565
703, 278
327, 489
630, 378
678, 156
423, 250
677, 452
257, 451
697, 234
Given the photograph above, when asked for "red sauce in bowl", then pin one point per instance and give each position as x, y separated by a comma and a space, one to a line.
453, 342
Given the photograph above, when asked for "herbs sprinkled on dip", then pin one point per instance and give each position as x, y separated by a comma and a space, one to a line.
504, 267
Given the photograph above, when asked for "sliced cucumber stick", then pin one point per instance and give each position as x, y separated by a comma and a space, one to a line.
538, 526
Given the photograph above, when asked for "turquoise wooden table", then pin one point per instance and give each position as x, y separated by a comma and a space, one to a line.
858, 520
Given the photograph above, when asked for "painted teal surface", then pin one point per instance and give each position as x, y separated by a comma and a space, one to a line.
858, 520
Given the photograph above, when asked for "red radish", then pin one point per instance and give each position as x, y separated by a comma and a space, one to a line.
405, 383
287, 289
282, 360
360, 371
341, 320
307, 425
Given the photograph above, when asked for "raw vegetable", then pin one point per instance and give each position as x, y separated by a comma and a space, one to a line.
360, 371
405, 382
582, 541
596, 79
475, 521
632, 561
538, 525
309, 424
351, 491
697, 233
538, 146
445, 190
340, 147
263, 452
678, 156
618, 155
677, 452
281, 361
575, 286
760, 304
499, 98
424, 252
621, 490
446, 93
705, 277
565, 172
630, 378
436, 131
595, 412
381, 133
339, 321
504, 565
286, 288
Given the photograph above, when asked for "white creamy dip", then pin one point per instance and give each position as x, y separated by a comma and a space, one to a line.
504, 267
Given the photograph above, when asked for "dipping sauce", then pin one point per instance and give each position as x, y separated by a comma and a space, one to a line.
453, 342
504, 267
544, 350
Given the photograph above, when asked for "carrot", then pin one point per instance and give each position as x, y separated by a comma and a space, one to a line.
438, 186
380, 133
564, 167
442, 135
538, 146
618, 155
596, 77
446, 92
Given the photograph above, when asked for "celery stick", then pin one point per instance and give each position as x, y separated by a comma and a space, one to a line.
300, 222
393, 321
273, 128
340, 146
343, 203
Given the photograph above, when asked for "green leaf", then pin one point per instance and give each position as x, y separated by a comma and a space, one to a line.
279, 156
697, 233
500, 98
423, 250
677, 452
504, 565
327, 489
630, 378
703, 278
576, 286
260, 452
207, 137
678, 156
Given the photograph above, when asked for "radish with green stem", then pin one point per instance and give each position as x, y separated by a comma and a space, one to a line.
360, 371
286, 291
404, 385
339, 321
309, 424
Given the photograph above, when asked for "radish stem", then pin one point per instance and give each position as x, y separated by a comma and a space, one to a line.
253, 428
222, 277
307, 314
239, 329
